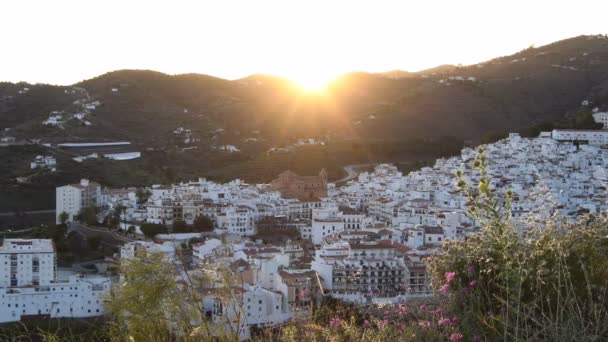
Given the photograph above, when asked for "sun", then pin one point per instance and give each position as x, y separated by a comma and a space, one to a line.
311, 81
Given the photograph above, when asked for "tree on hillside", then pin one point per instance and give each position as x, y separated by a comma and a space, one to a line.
151, 229
203, 223
115, 219
64, 217
142, 195
88, 215
179, 226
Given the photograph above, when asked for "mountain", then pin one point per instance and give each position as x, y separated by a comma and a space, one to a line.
179, 121
396, 74
506, 93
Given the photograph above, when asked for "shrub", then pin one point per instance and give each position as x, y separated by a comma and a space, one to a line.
203, 223
549, 282
151, 229
180, 226
89, 216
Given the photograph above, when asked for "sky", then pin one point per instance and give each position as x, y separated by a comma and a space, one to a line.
63, 41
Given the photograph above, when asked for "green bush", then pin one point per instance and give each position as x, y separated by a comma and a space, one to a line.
88, 216
203, 223
151, 229
549, 282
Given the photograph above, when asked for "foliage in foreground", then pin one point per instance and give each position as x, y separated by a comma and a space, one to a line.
547, 284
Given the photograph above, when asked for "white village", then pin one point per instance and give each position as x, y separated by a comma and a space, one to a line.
363, 242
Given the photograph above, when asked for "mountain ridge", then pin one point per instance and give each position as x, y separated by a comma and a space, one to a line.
533, 85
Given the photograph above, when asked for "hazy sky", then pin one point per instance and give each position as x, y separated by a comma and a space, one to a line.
62, 42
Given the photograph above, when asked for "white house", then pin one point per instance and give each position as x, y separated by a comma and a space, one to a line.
44, 162
132, 249
30, 285
592, 137
601, 117
74, 197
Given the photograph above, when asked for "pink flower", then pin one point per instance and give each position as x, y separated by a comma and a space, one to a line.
401, 311
444, 289
439, 311
381, 323
424, 324
455, 319
422, 307
399, 326
472, 283
444, 321
387, 313
455, 337
365, 323
334, 322
449, 276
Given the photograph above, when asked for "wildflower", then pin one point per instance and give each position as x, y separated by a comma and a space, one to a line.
387, 313
472, 283
444, 321
381, 323
455, 319
366, 323
438, 312
444, 289
422, 307
400, 311
424, 324
449, 276
455, 337
334, 322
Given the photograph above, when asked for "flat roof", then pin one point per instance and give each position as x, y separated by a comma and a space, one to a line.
27, 246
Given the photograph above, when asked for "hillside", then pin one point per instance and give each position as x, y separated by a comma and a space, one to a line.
509, 92
179, 121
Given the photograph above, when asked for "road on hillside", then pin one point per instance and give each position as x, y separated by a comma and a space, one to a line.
107, 237
352, 172
12, 213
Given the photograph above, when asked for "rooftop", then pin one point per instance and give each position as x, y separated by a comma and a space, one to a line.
27, 246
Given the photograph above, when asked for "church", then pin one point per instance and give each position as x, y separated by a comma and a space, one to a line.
304, 188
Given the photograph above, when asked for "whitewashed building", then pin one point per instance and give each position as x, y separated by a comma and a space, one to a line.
31, 286
74, 197
592, 137
48, 162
